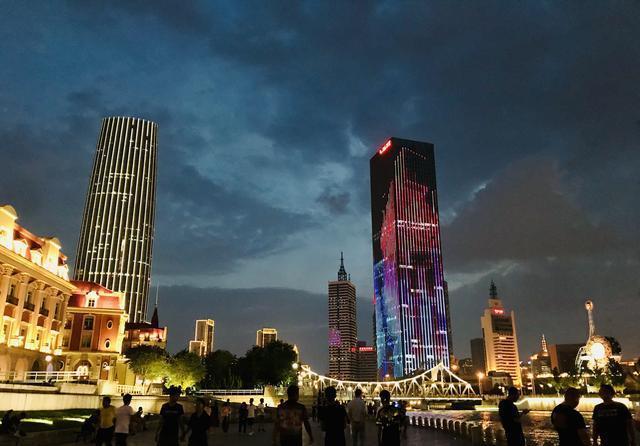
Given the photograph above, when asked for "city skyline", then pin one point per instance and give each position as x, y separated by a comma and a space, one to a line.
535, 129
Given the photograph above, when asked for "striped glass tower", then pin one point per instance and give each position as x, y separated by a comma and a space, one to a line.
116, 239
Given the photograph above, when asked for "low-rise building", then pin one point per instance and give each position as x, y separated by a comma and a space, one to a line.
145, 333
34, 291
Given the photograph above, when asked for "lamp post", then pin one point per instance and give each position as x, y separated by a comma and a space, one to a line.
480, 375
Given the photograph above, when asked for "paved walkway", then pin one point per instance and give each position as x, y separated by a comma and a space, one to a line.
415, 437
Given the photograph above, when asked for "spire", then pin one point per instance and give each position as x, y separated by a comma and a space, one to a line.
544, 344
154, 318
493, 291
342, 273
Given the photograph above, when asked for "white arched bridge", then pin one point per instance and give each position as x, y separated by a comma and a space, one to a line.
438, 383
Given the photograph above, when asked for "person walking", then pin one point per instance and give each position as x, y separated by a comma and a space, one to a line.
570, 425
291, 416
251, 415
511, 418
357, 413
391, 422
106, 425
198, 425
171, 423
260, 410
226, 416
612, 421
333, 417
243, 413
123, 420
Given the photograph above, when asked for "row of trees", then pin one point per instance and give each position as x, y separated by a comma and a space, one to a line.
269, 365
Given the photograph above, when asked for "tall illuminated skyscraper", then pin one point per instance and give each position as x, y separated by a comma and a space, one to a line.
343, 335
116, 238
412, 331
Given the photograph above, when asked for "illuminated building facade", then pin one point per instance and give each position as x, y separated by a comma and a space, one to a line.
145, 333
343, 335
116, 240
34, 292
541, 361
500, 339
366, 362
266, 335
412, 330
94, 330
202, 343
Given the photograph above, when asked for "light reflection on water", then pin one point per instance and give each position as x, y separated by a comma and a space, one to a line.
536, 425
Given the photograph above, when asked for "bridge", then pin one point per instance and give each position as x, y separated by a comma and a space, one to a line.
438, 383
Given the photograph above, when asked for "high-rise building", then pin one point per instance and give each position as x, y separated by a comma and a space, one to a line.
202, 343
366, 362
541, 361
500, 339
478, 355
409, 286
266, 335
116, 239
563, 356
343, 335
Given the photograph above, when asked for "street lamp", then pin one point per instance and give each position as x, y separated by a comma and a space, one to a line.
533, 384
480, 375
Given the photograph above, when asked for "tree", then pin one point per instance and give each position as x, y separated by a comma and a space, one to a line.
148, 362
616, 348
616, 374
268, 365
221, 370
185, 369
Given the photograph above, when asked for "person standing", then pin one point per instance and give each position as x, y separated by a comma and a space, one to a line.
107, 423
290, 417
511, 418
260, 415
198, 425
570, 425
226, 416
215, 415
171, 424
243, 412
333, 419
391, 421
251, 415
357, 412
123, 420
612, 421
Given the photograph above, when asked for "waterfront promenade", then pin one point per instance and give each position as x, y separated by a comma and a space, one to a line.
415, 437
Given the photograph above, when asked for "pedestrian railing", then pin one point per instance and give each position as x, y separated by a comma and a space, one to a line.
230, 392
132, 390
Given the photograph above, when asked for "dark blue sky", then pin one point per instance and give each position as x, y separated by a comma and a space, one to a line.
268, 113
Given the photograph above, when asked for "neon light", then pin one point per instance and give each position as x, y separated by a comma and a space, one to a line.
498, 311
384, 148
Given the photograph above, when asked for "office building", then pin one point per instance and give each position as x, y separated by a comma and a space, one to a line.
116, 239
266, 335
343, 334
34, 293
541, 361
500, 339
366, 362
202, 343
409, 287
478, 356
563, 356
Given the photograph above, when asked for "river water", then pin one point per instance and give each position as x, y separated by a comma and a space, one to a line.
536, 425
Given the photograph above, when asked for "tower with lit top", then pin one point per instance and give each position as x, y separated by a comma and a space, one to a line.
343, 335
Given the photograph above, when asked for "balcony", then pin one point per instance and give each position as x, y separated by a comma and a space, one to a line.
13, 300
29, 306
44, 312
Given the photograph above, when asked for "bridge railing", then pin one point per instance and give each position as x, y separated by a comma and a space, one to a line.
231, 392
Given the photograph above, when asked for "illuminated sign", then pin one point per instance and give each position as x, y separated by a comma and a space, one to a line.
384, 148
498, 311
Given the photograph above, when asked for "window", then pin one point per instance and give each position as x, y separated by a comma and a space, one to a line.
29, 296
85, 342
12, 290
87, 323
68, 323
107, 343
92, 298
65, 341
109, 323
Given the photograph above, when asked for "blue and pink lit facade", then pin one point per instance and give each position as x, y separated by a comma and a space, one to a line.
410, 295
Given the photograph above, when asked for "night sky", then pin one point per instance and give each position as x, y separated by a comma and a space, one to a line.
268, 113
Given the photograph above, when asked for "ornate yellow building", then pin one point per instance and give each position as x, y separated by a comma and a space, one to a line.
34, 292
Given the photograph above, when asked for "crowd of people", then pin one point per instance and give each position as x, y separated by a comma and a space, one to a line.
612, 422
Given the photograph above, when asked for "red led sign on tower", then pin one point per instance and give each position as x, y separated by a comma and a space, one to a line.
387, 146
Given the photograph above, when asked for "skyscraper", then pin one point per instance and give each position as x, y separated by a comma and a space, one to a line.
500, 339
204, 338
409, 287
116, 238
343, 336
266, 335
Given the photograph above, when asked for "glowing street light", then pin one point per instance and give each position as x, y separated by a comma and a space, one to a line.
480, 375
295, 366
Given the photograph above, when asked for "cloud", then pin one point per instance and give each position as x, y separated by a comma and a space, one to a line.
336, 202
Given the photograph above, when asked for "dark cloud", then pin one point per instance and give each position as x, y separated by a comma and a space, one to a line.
336, 202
